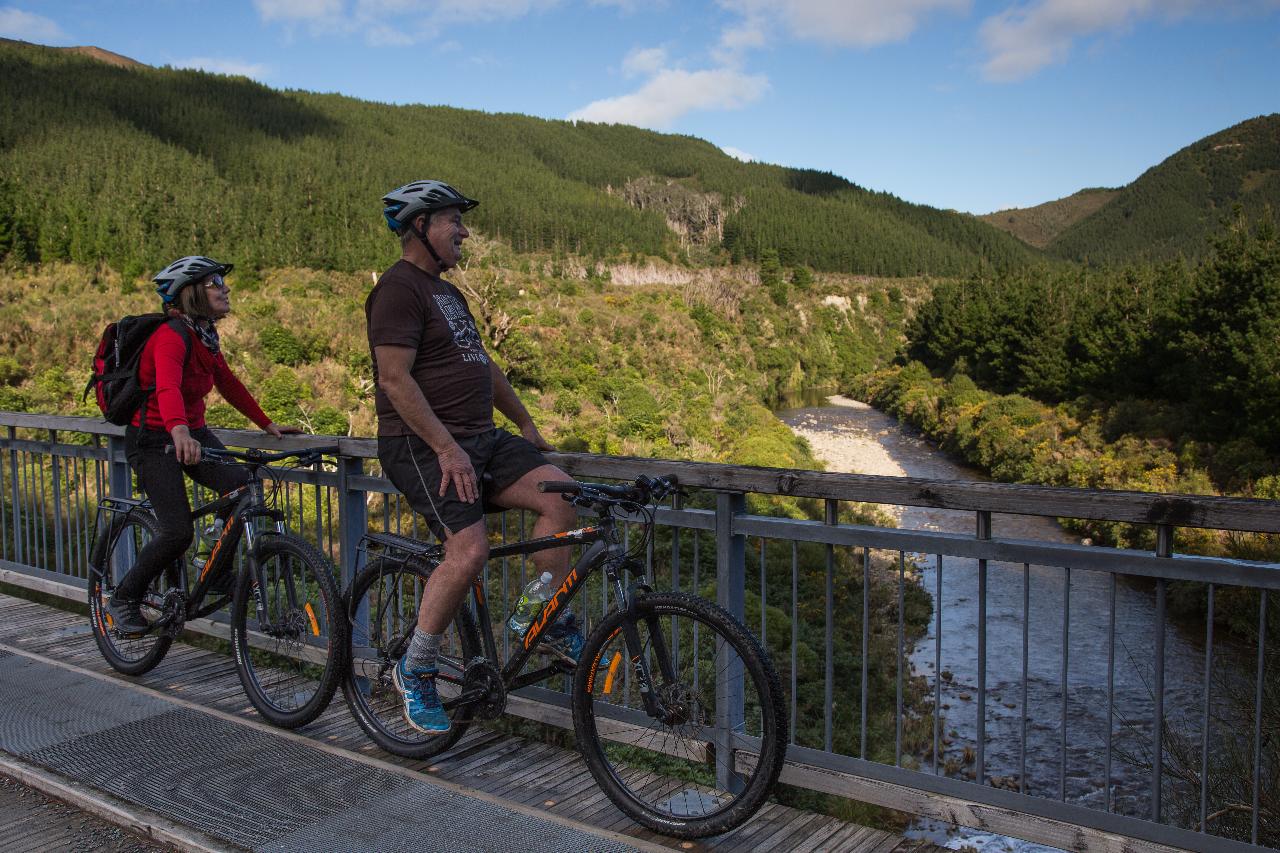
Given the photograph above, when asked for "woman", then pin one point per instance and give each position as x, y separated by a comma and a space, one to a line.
166, 435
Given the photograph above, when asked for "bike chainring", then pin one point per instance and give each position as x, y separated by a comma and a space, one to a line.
483, 679
175, 612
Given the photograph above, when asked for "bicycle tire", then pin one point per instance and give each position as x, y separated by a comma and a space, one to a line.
662, 774
124, 537
382, 608
289, 658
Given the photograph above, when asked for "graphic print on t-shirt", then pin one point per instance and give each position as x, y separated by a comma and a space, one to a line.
465, 335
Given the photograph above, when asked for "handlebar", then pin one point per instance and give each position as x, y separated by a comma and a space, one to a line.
642, 490
254, 456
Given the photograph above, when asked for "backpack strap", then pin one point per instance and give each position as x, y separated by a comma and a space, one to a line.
180, 327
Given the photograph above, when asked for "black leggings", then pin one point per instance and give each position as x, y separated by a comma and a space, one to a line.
160, 476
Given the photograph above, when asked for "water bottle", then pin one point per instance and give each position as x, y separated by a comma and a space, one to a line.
530, 603
205, 543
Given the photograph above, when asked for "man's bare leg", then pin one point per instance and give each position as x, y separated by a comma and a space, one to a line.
464, 555
555, 515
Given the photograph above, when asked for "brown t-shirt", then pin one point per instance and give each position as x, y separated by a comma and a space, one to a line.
411, 308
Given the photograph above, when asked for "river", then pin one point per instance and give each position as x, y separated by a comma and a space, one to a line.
855, 438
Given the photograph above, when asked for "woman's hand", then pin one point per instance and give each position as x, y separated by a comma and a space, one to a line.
279, 429
185, 448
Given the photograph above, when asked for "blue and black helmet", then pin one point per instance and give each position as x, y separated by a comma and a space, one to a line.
170, 280
401, 205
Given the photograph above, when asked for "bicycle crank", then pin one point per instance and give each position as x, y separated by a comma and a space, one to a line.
483, 689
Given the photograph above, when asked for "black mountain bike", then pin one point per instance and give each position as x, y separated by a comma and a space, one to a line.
654, 698
287, 631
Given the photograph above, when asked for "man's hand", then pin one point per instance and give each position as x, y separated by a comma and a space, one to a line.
185, 448
279, 429
531, 435
455, 466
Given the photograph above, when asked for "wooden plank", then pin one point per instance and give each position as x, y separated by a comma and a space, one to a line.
1139, 507
800, 824
766, 819
541, 777
1011, 498
846, 839
826, 828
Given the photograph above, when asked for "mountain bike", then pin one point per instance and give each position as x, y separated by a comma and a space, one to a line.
287, 632
655, 693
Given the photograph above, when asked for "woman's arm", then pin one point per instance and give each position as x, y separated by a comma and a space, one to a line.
234, 392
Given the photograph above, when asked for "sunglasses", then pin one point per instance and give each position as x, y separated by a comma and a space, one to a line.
215, 281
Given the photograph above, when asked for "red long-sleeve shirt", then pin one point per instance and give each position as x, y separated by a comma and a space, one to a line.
179, 395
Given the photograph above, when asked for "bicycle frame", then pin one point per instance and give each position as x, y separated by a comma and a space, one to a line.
239, 506
603, 549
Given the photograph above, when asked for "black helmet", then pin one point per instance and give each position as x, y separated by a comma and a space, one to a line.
401, 205
170, 280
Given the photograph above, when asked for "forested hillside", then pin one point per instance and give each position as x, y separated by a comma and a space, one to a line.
1173, 208
132, 166
1186, 356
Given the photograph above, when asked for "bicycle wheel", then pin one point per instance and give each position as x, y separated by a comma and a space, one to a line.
383, 608
115, 549
667, 774
288, 632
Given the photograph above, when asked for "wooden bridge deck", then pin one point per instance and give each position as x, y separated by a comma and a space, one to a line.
488, 765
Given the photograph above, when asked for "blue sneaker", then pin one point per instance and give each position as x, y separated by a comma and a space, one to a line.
422, 708
564, 637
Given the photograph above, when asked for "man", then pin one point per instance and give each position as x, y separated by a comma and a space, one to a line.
436, 389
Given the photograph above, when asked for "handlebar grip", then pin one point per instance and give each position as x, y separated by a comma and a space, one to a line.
569, 488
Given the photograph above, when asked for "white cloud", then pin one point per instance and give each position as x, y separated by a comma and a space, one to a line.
845, 23
394, 22
27, 26
1025, 38
225, 65
313, 11
642, 61
737, 153
672, 93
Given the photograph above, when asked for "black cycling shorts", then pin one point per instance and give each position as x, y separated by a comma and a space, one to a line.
413, 468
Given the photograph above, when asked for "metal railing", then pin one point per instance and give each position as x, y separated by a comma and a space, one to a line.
1039, 689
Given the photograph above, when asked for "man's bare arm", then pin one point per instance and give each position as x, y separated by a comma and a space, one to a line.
395, 378
506, 401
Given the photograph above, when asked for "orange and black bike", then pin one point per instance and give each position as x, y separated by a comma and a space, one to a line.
677, 708
287, 630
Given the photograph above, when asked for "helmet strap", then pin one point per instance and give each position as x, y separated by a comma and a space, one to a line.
422, 236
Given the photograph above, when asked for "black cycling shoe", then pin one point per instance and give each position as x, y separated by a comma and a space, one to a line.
126, 616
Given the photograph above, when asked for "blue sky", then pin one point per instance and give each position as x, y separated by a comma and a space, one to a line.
974, 105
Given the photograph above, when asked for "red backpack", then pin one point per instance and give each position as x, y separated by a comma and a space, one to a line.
115, 364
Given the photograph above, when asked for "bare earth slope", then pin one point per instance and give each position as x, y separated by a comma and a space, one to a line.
1039, 225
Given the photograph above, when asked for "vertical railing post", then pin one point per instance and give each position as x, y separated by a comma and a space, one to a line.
56, 476
731, 574
353, 516
830, 515
119, 478
1164, 548
983, 531
14, 496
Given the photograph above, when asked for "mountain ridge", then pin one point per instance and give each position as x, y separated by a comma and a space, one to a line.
1168, 211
